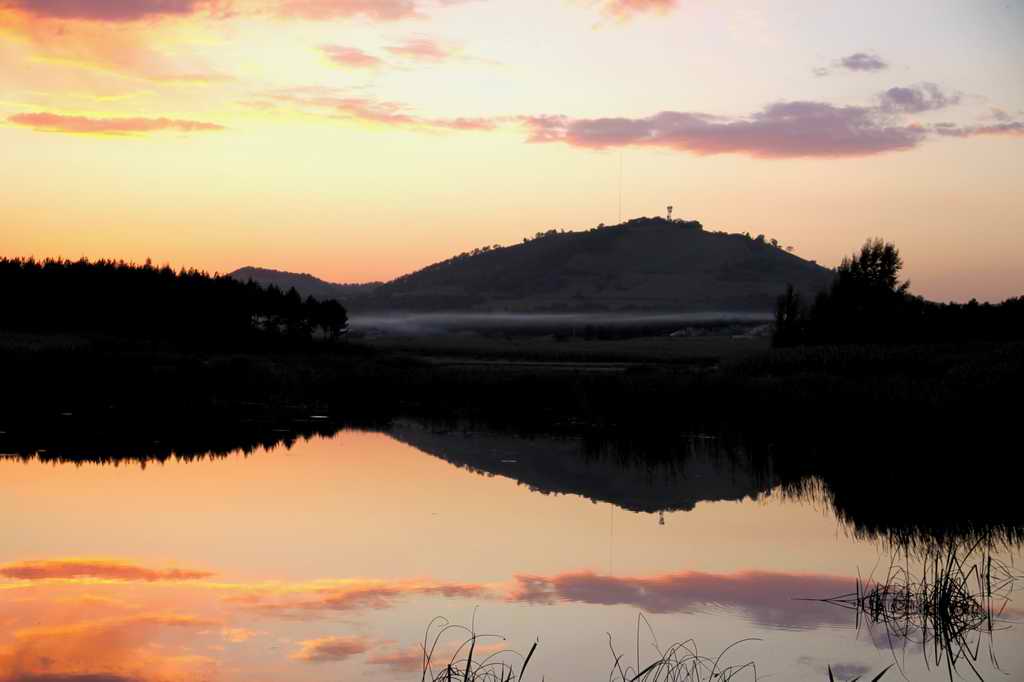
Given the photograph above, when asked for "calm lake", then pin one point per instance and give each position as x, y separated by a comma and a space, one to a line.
327, 560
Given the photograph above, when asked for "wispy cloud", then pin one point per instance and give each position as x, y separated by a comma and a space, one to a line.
104, 650
376, 10
422, 49
106, 569
314, 599
331, 649
107, 46
342, 105
408, 660
411, 659
350, 57
862, 62
1010, 128
59, 123
626, 9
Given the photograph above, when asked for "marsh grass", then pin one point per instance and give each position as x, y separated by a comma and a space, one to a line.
949, 607
465, 663
680, 662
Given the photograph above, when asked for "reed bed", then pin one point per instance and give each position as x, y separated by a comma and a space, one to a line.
948, 608
465, 664
679, 662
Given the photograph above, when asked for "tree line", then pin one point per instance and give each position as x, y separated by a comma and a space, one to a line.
146, 301
868, 303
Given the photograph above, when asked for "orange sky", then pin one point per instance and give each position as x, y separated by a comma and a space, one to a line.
360, 139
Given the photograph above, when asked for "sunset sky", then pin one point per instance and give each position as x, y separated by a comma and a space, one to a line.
360, 139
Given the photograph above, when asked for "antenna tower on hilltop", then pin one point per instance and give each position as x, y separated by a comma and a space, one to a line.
670, 214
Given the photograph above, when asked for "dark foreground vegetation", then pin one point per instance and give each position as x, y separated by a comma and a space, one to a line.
947, 609
187, 307
138, 354
678, 662
867, 303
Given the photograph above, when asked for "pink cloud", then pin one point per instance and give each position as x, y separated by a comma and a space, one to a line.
107, 569
422, 49
916, 99
1009, 128
409, 660
412, 659
624, 9
377, 112
377, 10
781, 130
351, 595
106, 10
331, 649
350, 57
58, 123
104, 650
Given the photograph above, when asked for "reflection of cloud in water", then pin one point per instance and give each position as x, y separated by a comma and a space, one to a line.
313, 599
107, 620
410, 659
841, 671
768, 599
331, 649
105, 649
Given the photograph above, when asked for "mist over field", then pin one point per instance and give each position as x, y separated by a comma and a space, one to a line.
539, 323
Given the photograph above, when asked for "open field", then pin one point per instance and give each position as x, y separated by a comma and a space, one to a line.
578, 352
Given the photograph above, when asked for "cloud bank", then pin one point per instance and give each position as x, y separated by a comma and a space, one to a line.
783, 130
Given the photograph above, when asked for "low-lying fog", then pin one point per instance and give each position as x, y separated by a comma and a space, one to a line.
540, 323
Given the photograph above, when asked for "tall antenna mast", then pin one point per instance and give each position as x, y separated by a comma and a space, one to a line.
670, 214
620, 187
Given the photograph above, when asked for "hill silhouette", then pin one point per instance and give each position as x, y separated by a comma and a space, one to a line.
305, 284
646, 264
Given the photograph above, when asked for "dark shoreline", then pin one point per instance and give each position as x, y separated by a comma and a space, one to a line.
910, 441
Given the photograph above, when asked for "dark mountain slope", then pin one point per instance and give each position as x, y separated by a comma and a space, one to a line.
306, 285
645, 264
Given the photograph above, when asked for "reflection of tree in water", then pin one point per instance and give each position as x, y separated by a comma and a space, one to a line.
948, 600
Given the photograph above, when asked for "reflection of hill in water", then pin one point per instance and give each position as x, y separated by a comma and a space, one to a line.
876, 494
564, 466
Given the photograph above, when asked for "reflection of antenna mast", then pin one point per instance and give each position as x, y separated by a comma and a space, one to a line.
611, 538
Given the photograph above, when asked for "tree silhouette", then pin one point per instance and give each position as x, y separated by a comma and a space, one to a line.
868, 303
144, 301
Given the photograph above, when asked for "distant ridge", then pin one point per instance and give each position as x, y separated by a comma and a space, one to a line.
305, 284
644, 265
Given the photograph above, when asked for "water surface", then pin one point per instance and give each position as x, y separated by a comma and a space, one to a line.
328, 559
